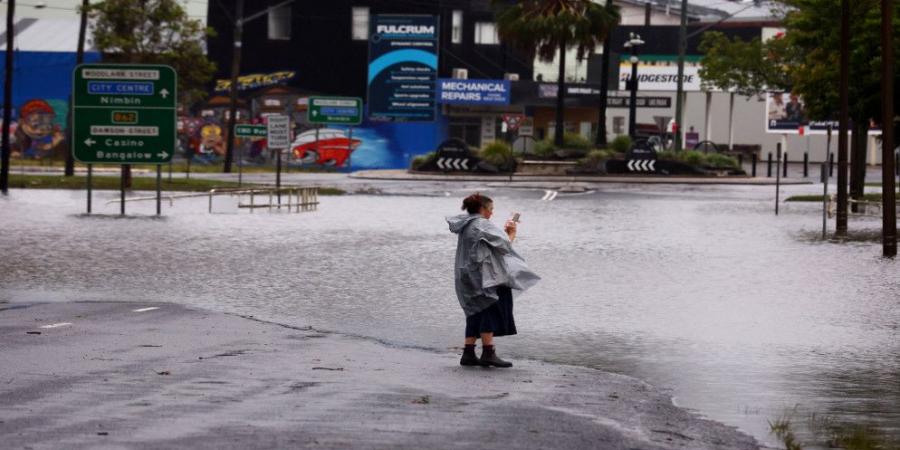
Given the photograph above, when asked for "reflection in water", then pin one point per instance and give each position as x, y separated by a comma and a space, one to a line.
703, 291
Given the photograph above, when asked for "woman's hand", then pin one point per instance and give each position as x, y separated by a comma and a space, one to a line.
510, 229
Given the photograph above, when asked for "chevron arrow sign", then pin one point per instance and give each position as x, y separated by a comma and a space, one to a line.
641, 165
453, 163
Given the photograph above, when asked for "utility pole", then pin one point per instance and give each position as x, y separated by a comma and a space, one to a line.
604, 87
841, 226
79, 58
888, 195
7, 96
235, 71
633, 42
682, 48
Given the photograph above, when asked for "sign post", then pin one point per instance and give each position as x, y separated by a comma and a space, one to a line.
278, 129
124, 114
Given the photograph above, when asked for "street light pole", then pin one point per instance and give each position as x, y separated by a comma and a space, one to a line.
841, 225
682, 48
79, 58
235, 71
633, 42
888, 196
7, 97
604, 88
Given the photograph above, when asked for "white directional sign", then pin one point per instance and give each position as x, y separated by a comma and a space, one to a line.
642, 165
453, 163
279, 131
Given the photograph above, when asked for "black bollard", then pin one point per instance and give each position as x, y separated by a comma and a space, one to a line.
831, 165
785, 165
805, 164
753, 163
769, 168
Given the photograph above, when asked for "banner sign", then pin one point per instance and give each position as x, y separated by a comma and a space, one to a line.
403, 64
659, 77
473, 92
640, 102
256, 80
549, 90
786, 114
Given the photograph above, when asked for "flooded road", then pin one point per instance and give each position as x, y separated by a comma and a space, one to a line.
741, 315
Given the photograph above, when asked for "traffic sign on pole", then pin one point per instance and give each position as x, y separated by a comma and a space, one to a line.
251, 131
335, 110
124, 113
279, 131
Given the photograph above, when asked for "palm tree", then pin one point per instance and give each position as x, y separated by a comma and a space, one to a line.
548, 26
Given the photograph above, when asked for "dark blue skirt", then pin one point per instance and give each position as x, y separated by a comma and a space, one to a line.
497, 318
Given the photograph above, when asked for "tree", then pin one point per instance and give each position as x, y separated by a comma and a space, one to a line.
154, 32
548, 26
747, 68
813, 33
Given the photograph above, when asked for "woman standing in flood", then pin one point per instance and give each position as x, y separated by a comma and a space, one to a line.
487, 269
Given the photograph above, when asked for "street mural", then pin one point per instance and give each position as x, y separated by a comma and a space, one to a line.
39, 130
373, 145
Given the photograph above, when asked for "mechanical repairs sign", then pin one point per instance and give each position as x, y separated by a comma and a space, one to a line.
124, 113
403, 64
473, 92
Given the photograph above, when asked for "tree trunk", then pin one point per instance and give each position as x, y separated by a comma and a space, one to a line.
560, 96
858, 161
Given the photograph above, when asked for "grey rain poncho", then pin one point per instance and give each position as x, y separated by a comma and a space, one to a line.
485, 260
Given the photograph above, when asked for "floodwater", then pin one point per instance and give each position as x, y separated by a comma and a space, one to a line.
741, 315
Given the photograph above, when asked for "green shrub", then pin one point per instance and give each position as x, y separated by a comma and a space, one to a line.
621, 144
595, 157
544, 148
499, 154
697, 158
576, 141
422, 159
720, 161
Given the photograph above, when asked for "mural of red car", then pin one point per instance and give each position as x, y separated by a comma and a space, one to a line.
332, 148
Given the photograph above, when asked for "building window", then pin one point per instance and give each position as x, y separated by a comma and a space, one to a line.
360, 23
486, 33
280, 23
456, 29
618, 125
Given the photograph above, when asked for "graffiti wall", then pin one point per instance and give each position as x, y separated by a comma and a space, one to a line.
42, 82
372, 145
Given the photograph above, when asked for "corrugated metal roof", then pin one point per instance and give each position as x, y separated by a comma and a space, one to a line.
46, 35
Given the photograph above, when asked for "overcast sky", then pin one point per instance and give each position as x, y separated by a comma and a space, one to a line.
69, 8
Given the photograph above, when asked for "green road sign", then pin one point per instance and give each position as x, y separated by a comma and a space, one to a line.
335, 110
124, 113
250, 131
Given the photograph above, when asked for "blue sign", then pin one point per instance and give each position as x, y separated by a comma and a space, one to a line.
403, 64
120, 88
473, 92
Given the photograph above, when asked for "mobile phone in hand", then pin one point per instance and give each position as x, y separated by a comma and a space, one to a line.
515, 218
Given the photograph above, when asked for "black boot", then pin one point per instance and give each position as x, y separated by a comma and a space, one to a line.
489, 358
469, 358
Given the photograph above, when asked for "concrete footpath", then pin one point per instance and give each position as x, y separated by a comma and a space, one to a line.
405, 175
126, 375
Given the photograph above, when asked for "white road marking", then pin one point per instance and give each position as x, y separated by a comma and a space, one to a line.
57, 325
146, 309
549, 195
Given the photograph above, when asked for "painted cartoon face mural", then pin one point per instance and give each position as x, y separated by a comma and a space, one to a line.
37, 135
212, 142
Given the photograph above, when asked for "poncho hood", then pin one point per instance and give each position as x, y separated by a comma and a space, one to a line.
485, 260
457, 223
